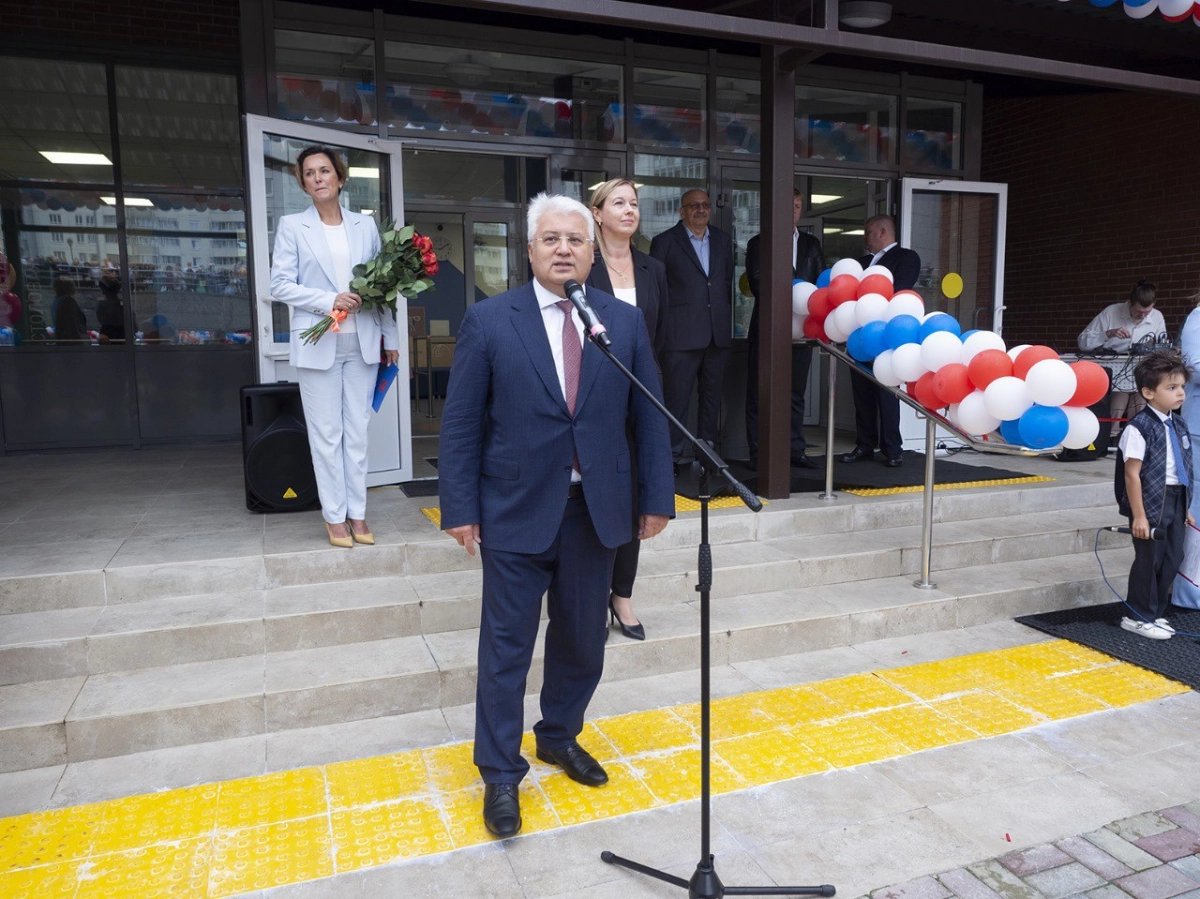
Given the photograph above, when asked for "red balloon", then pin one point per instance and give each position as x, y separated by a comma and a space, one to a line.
951, 383
875, 284
814, 328
842, 289
924, 392
819, 305
987, 366
1093, 383
1029, 357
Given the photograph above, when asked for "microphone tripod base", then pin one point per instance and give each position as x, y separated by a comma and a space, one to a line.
705, 884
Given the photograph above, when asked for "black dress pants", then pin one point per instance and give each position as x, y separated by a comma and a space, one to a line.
876, 417
1156, 562
801, 363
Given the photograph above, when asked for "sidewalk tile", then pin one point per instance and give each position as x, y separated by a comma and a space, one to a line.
1162, 882
1138, 826
1108, 891
1122, 850
1184, 817
1034, 859
965, 885
1189, 865
920, 888
1003, 881
1094, 857
1065, 880
1171, 844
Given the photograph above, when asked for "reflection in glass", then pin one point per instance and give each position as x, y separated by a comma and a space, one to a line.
747, 214
664, 180
578, 184
956, 232
54, 107
739, 121
362, 193
490, 258
468, 177
668, 109
444, 90
325, 78
933, 134
178, 128
842, 206
846, 126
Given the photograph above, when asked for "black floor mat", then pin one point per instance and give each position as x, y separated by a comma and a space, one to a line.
868, 474
423, 487
1100, 628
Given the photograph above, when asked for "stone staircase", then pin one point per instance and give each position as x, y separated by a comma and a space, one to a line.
104, 663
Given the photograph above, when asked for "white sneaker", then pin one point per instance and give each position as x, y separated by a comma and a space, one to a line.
1165, 625
1145, 629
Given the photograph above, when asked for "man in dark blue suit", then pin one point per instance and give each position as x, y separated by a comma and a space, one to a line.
534, 468
876, 409
699, 326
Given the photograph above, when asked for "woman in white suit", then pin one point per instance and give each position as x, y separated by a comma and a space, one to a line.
315, 253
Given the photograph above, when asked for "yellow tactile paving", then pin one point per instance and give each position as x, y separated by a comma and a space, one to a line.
238, 836
892, 491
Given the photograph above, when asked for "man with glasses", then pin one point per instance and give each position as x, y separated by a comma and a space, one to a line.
535, 469
699, 322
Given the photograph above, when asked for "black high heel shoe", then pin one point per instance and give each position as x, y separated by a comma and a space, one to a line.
633, 632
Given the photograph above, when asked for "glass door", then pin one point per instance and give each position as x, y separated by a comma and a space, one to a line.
578, 176
958, 228
373, 188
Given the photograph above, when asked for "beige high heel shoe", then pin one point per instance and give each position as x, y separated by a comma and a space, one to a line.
342, 542
366, 538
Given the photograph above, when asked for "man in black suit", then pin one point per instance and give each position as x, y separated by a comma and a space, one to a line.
699, 324
876, 409
807, 262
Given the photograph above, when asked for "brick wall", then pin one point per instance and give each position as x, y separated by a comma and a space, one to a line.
1104, 189
197, 27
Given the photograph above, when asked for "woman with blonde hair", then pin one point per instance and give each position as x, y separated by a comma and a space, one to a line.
633, 277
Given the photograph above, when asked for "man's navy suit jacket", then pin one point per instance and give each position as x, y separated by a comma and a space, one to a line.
700, 310
507, 440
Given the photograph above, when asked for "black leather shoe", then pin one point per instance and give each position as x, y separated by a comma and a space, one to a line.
502, 809
893, 461
632, 631
802, 461
576, 761
856, 455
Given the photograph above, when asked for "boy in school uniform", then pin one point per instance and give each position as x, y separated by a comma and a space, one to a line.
1154, 489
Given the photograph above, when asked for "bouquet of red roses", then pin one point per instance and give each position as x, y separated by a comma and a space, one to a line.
404, 266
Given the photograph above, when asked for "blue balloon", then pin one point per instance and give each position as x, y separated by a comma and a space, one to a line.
1102, 3
1043, 426
939, 321
854, 346
965, 334
873, 339
824, 278
1010, 431
901, 330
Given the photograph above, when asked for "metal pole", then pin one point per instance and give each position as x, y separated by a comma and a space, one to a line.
829, 496
927, 513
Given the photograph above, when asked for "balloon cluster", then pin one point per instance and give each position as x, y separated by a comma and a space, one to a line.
1027, 392
1171, 10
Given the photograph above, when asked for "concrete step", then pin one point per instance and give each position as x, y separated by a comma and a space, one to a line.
112, 714
153, 632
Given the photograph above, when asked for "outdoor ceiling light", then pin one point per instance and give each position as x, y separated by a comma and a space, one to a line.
129, 201
864, 13
363, 171
60, 158
824, 198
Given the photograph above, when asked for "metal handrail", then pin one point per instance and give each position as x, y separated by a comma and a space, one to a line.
932, 421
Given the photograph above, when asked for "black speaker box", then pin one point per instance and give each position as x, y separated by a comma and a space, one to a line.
277, 463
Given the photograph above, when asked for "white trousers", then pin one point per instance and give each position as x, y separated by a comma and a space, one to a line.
337, 406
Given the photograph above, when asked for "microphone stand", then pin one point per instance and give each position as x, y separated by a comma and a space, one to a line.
704, 883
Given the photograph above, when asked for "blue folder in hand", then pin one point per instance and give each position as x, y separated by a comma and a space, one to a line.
387, 374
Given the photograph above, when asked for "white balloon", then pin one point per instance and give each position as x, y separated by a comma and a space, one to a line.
978, 342
1007, 398
801, 291
798, 327
1140, 12
846, 267
877, 270
1082, 426
1051, 382
846, 317
1016, 351
906, 303
872, 307
952, 413
940, 348
906, 362
833, 332
885, 372
1174, 9
973, 415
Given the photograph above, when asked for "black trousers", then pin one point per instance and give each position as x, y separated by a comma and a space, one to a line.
801, 363
682, 369
876, 417
1156, 562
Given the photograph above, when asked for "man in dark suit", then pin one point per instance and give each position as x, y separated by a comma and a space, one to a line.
876, 409
699, 325
807, 262
534, 468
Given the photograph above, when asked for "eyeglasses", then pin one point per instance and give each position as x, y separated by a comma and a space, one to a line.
551, 241
697, 205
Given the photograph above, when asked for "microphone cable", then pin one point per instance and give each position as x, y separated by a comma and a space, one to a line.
1133, 612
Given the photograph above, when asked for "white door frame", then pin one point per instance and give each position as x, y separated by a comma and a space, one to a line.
911, 185
389, 455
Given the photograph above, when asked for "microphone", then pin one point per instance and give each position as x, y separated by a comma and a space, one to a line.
1155, 533
591, 321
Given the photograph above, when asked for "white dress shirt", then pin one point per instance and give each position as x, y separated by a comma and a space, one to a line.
343, 271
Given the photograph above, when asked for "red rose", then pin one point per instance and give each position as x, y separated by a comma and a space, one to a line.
428, 259
431, 268
422, 243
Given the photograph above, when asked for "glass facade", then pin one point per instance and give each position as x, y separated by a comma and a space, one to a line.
845, 126
669, 109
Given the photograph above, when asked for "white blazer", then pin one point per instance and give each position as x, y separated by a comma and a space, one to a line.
302, 276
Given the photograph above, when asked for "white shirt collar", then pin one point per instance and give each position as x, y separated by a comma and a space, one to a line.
546, 298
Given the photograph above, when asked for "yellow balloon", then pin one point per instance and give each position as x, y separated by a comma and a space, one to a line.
952, 285
744, 285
